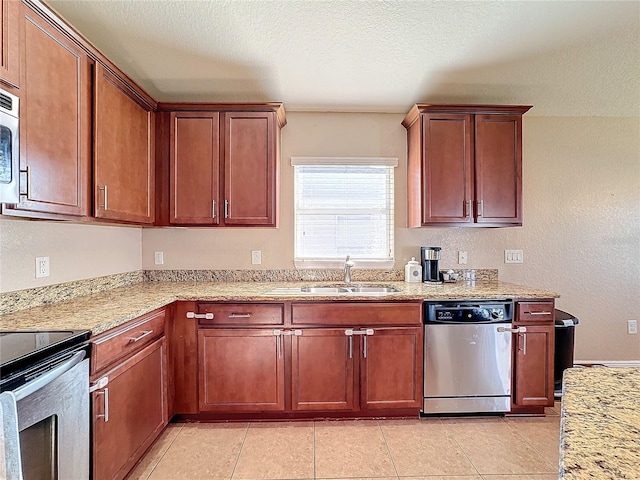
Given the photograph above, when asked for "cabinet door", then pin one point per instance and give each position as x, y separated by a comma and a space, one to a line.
391, 374
447, 175
250, 168
322, 370
129, 412
9, 42
123, 152
241, 370
534, 366
499, 169
55, 121
195, 164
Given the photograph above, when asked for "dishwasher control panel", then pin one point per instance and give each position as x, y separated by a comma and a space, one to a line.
468, 312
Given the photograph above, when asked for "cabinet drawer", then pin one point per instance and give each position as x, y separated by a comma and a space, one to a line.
535, 312
120, 342
347, 313
238, 314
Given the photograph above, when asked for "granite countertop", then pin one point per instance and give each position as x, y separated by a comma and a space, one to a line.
101, 311
600, 426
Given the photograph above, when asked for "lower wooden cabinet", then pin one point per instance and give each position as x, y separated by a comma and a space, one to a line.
252, 369
322, 370
391, 375
240, 370
129, 412
534, 366
533, 356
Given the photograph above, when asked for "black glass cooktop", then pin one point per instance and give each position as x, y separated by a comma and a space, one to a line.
20, 351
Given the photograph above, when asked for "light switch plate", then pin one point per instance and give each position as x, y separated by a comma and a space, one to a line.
513, 256
159, 258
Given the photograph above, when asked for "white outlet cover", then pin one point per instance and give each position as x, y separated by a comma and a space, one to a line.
256, 257
42, 267
462, 258
632, 327
159, 258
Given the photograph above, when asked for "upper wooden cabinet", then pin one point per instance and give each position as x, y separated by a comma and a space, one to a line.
195, 168
251, 169
9, 42
223, 164
464, 165
124, 166
55, 120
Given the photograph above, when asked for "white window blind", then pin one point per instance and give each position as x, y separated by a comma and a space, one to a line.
343, 206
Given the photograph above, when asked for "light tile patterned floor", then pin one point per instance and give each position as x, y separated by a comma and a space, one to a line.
476, 448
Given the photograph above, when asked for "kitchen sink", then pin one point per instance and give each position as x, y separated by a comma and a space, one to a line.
343, 290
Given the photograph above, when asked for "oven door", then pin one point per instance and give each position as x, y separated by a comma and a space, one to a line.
9, 148
53, 422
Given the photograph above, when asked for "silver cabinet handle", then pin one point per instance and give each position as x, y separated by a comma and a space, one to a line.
105, 198
350, 346
226, 209
239, 315
364, 347
466, 208
538, 313
141, 336
480, 209
105, 415
278, 335
524, 342
206, 316
213, 209
28, 182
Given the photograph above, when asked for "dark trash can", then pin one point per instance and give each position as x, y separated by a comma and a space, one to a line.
565, 334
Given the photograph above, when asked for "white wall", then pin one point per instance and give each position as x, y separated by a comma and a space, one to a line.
75, 251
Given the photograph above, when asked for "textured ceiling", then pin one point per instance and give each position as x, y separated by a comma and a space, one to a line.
565, 58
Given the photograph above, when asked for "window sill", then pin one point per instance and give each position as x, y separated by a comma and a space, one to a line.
339, 264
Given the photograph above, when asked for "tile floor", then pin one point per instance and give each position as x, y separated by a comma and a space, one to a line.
477, 448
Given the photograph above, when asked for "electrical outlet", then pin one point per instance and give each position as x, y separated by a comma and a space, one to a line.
42, 267
159, 258
513, 256
632, 327
256, 257
462, 258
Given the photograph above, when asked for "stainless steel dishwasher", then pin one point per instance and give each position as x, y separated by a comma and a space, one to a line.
467, 357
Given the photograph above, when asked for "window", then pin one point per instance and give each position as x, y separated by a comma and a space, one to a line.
343, 206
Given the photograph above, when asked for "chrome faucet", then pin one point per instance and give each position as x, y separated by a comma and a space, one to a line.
348, 265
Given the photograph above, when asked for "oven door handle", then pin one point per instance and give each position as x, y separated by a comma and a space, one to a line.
44, 380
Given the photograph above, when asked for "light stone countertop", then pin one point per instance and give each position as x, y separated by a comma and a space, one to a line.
600, 425
102, 311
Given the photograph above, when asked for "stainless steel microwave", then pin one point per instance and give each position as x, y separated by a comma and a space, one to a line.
9, 148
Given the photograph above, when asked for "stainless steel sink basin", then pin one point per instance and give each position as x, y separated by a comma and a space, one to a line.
372, 289
322, 290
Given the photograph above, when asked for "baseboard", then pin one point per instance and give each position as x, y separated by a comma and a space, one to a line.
607, 363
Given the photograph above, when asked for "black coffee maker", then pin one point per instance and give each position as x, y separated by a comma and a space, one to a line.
429, 258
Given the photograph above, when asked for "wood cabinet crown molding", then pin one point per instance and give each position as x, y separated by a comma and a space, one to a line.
474, 109
277, 107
